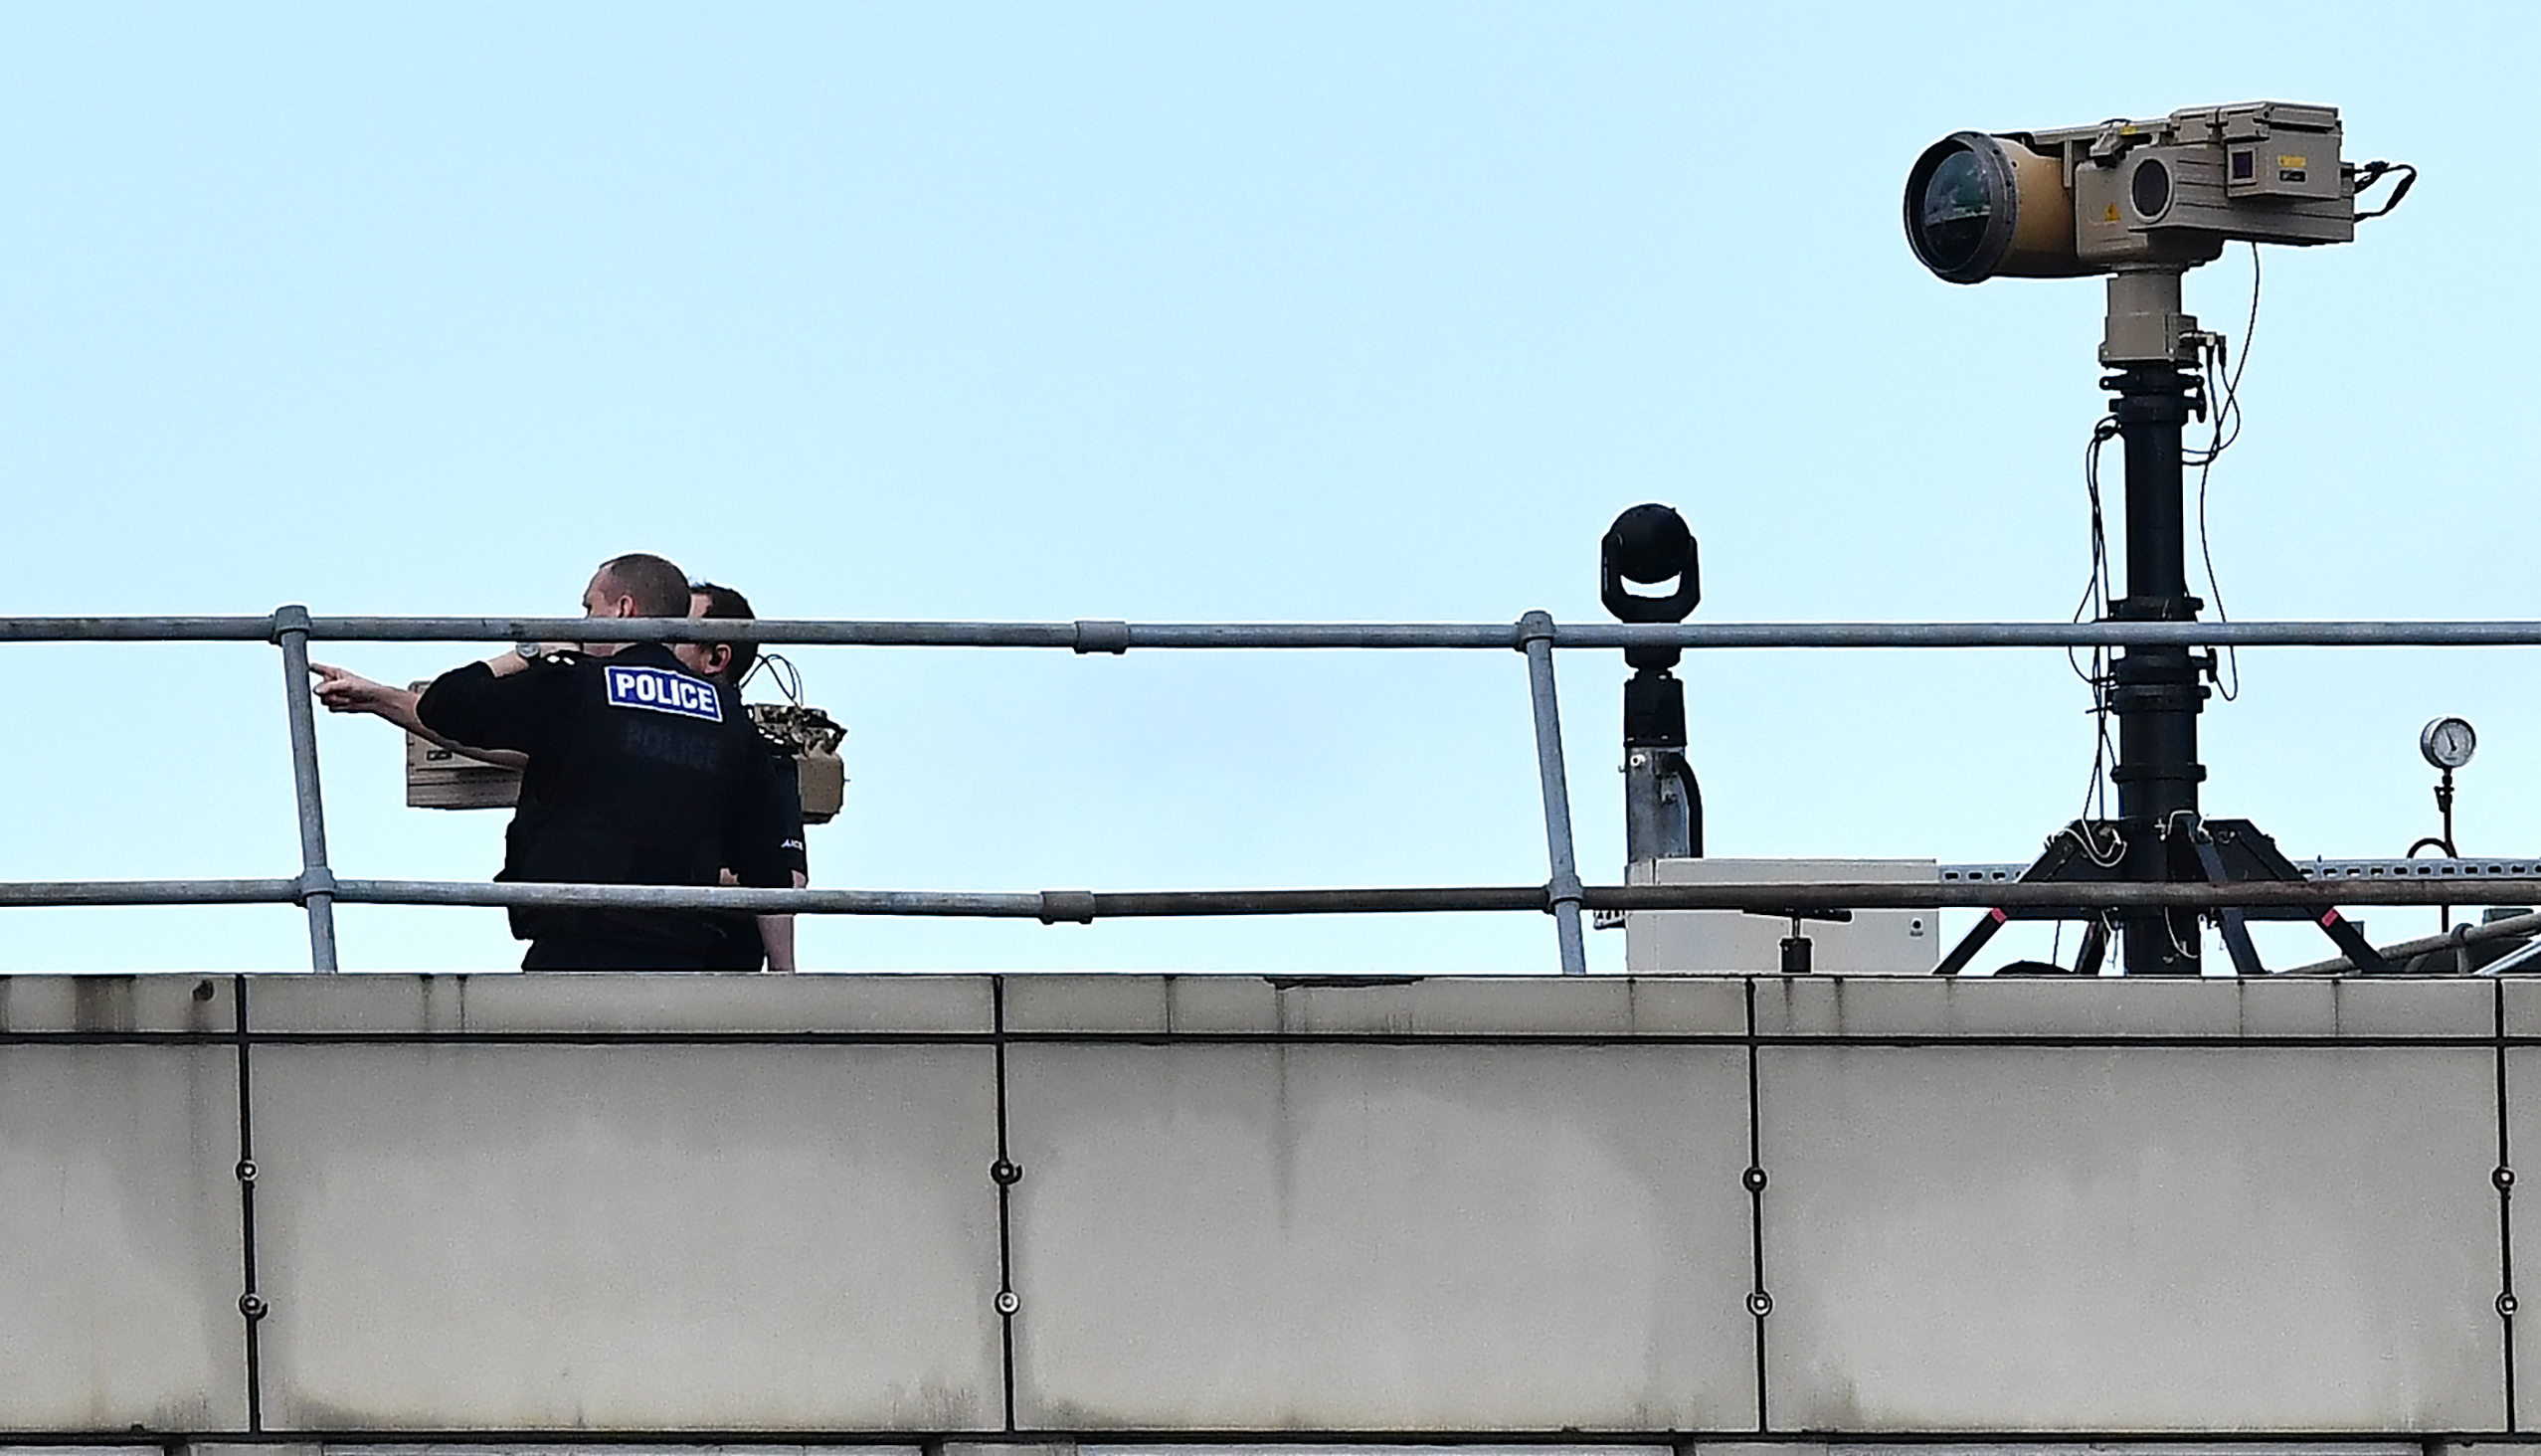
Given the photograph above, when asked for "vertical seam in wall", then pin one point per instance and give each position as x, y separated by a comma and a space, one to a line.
251, 1302
1760, 1301
2503, 1178
1002, 1175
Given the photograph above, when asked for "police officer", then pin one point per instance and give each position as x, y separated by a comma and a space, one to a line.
639, 772
750, 942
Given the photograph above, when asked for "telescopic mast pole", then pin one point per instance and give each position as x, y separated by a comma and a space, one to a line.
2154, 691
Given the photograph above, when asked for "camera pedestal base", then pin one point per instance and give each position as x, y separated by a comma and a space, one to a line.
2187, 850
2155, 692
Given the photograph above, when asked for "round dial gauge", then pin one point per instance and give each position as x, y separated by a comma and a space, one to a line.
2448, 742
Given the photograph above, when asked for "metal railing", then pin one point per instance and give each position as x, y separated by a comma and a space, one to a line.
1536, 636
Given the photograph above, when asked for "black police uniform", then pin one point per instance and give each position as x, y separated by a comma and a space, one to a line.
639, 773
742, 948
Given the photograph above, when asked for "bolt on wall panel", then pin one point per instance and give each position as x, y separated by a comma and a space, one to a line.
633, 1238
2130, 1239
1381, 1237
119, 1252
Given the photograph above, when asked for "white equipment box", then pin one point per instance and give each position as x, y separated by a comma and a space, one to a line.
1710, 942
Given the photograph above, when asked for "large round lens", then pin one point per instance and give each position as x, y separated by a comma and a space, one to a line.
1951, 218
1980, 206
1650, 543
2150, 188
1960, 208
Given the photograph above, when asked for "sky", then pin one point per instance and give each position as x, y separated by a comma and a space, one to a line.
1191, 313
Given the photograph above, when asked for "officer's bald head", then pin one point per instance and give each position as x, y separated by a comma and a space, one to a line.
652, 586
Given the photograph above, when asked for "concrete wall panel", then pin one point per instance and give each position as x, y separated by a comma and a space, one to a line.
2136, 1239
1370, 1237
119, 1252
642, 1238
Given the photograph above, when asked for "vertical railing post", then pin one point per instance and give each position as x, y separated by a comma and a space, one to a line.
1534, 635
291, 632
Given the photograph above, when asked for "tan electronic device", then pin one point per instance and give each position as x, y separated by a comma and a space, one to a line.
2168, 191
442, 778
811, 737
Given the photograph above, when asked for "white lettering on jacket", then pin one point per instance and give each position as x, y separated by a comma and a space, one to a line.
662, 691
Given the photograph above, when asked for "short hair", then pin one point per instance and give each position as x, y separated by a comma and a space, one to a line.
659, 587
729, 605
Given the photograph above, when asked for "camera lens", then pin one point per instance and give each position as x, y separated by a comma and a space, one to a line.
1953, 213
1960, 207
1650, 543
1980, 206
2149, 188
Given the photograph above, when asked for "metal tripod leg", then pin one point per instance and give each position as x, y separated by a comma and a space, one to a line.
2095, 947
2352, 941
2235, 928
1974, 941
2236, 924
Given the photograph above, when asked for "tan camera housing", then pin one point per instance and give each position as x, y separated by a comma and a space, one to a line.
2164, 193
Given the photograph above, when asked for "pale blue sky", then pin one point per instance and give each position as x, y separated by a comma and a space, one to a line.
1180, 311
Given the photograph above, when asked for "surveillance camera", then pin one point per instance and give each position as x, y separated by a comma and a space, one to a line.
2161, 194
1649, 544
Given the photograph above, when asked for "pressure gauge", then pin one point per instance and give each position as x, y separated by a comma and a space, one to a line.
2447, 743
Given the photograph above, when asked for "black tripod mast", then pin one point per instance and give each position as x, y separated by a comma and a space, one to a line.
2161, 835
2153, 691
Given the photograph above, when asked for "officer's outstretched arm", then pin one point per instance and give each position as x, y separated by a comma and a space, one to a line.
342, 691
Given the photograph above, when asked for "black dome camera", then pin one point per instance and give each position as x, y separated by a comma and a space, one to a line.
1649, 544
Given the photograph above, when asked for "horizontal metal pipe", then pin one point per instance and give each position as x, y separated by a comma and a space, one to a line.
1456, 635
1927, 896
685, 897
1089, 636
1442, 899
1761, 897
2057, 635
1054, 905
2512, 927
1502, 636
136, 629
647, 629
151, 892
2478, 889
1074, 636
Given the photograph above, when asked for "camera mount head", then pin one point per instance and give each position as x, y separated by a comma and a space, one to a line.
1649, 544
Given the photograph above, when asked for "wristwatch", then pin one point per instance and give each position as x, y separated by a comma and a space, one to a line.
529, 651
